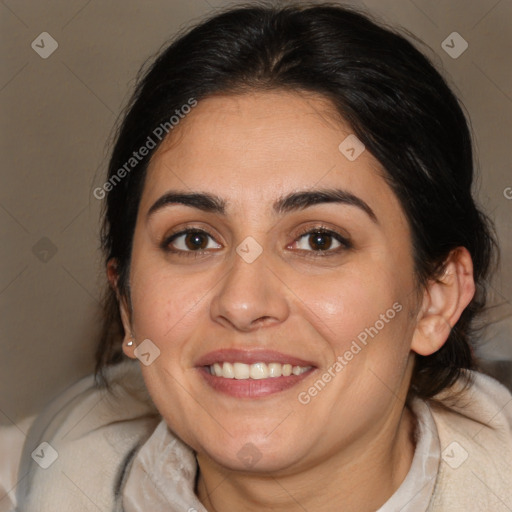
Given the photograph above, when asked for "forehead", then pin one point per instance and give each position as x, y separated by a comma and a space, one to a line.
255, 147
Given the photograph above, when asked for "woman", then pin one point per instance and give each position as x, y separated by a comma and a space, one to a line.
295, 260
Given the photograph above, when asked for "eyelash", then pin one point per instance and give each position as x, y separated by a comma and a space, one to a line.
345, 243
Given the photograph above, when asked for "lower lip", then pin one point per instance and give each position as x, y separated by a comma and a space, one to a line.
252, 388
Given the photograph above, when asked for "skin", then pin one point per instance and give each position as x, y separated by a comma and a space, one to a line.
352, 440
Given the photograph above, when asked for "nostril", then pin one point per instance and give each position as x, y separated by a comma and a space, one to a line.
264, 320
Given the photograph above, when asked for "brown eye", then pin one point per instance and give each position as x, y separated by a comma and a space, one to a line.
196, 241
191, 241
320, 241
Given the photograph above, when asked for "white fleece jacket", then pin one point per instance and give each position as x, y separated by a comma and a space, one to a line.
111, 451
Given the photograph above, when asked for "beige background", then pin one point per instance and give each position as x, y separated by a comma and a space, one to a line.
58, 113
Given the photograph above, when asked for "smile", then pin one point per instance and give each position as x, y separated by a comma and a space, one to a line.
256, 371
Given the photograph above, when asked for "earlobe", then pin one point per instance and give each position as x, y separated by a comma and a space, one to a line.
128, 342
129, 348
444, 300
430, 335
129, 345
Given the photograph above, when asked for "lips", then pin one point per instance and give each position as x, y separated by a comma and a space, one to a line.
252, 386
256, 371
250, 357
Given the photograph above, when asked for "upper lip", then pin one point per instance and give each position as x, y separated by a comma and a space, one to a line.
231, 355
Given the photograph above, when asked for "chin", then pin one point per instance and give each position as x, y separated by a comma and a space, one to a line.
254, 454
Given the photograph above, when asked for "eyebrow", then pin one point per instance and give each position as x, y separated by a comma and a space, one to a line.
205, 202
292, 202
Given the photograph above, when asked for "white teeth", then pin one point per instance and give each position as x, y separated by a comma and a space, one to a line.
259, 371
256, 371
242, 371
227, 371
274, 370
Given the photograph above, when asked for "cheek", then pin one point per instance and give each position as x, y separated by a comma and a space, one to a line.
365, 328
165, 306
350, 305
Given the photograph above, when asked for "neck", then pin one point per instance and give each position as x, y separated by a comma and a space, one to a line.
359, 478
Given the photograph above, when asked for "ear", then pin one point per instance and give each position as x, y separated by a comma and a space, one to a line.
444, 300
124, 310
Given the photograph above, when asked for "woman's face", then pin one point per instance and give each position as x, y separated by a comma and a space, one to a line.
273, 272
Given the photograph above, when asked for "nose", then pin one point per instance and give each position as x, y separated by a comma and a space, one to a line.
250, 296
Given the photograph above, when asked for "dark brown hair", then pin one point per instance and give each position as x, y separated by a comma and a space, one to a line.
396, 102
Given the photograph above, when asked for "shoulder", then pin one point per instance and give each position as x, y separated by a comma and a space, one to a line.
12, 438
76, 447
475, 431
